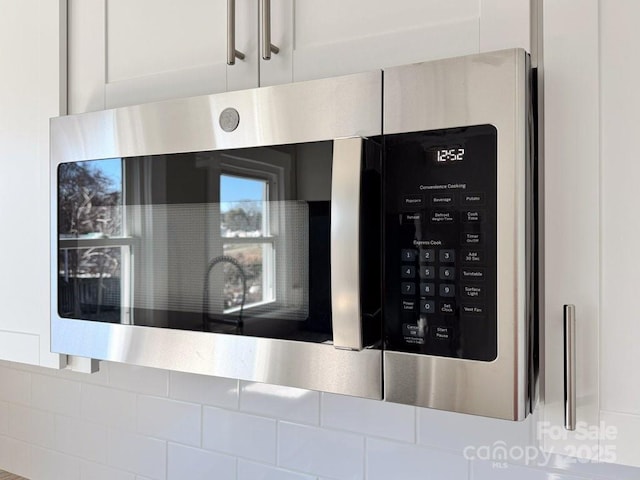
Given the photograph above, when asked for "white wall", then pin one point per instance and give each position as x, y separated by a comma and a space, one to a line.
128, 423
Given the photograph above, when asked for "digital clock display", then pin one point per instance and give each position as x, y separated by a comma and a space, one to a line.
443, 155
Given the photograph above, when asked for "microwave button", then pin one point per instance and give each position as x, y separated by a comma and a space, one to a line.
447, 290
447, 256
442, 333
427, 289
410, 330
468, 309
448, 307
428, 255
473, 199
427, 306
472, 216
472, 256
408, 271
472, 274
473, 291
411, 218
447, 273
471, 238
443, 200
408, 288
412, 201
427, 272
408, 305
409, 254
443, 216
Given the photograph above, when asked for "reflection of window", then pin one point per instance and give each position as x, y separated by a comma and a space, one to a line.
93, 247
246, 236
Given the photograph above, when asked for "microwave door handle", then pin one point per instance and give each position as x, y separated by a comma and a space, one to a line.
345, 243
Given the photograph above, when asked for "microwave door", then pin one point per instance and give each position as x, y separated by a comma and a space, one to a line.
261, 242
191, 253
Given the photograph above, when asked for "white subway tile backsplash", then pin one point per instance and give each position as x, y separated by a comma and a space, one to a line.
138, 454
148, 381
33, 426
101, 377
95, 471
170, 419
589, 470
319, 451
386, 459
195, 464
369, 417
239, 434
50, 465
489, 470
15, 456
258, 471
16, 385
286, 403
81, 438
257, 432
456, 431
108, 406
55, 394
215, 391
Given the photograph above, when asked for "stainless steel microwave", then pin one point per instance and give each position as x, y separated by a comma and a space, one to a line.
349, 235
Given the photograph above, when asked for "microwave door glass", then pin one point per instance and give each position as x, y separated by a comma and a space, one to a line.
234, 241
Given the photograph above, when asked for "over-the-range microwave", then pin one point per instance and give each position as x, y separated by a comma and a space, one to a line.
368, 235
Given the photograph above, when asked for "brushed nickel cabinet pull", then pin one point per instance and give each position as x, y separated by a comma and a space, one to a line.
570, 367
267, 47
232, 53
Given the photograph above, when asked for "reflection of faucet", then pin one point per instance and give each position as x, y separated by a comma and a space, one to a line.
205, 293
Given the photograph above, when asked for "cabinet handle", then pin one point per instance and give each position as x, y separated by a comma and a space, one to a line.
232, 53
267, 46
570, 367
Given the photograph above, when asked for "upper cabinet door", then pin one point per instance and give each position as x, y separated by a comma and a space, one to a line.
322, 39
620, 230
572, 220
32, 89
124, 52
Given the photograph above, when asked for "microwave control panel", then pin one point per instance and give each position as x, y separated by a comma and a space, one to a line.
440, 260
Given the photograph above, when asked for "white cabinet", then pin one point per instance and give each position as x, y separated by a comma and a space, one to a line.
620, 226
32, 89
332, 38
123, 52
572, 217
592, 172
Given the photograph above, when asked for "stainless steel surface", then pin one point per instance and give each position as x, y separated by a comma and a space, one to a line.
280, 362
570, 367
345, 243
267, 47
284, 114
232, 53
480, 89
304, 112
